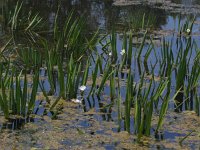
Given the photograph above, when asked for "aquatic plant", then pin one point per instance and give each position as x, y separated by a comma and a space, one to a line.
130, 50
72, 38
51, 60
73, 78
106, 75
86, 73
130, 91
113, 45
94, 76
26, 26
140, 20
192, 80
186, 27
112, 84
197, 102
142, 45
15, 98
28, 57
145, 126
71, 64
181, 74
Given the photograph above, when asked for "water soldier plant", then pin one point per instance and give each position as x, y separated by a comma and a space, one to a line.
17, 97
137, 79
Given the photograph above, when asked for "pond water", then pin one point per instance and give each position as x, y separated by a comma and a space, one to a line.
94, 123
103, 14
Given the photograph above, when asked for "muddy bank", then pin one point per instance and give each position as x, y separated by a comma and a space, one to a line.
167, 5
75, 129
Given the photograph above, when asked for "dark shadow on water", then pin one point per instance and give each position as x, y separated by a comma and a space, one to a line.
167, 135
179, 102
17, 124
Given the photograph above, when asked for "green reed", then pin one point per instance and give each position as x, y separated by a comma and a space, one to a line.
73, 78
113, 44
182, 72
148, 108
192, 80
167, 59
26, 26
197, 102
164, 107
119, 103
94, 76
29, 57
51, 60
86, 73
4, 104
140, 20
106, 75
61, 79
72, 37
128, 100
142, 45
16, 99
112, 84
186, 27
130, 49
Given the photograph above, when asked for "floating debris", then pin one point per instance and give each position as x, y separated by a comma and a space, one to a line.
82, 88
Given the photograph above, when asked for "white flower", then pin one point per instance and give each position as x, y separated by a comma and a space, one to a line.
76, 101
188, 30
65, 46
110, 54
122, 52
82, 88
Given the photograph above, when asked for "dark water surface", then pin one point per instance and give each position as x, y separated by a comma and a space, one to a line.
101, 14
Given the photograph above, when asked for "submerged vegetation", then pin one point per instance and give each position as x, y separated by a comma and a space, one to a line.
140, 79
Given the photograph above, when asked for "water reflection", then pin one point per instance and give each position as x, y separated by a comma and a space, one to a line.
99, 14
186, 2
